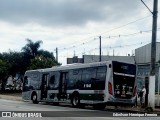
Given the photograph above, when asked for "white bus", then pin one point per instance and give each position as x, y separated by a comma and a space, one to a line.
96, 84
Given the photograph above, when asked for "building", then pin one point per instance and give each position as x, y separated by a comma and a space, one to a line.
95, 58
75, 59
143, 54
143, 61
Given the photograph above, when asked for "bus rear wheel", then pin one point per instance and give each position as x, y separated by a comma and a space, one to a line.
75, 100
34, 98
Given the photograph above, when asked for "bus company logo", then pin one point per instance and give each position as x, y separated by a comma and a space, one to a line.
6, 114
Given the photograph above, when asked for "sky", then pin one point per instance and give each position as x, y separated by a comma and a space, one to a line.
74, 26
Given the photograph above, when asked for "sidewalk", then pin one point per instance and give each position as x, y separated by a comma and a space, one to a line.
132, 109
18, 97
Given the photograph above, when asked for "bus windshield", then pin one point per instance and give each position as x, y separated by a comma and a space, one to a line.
124, 68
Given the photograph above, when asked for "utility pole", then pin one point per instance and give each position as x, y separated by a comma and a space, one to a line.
74, 53
100, 56
113, 52
57, 54
84, 51
151, 96
151, 101
154, 37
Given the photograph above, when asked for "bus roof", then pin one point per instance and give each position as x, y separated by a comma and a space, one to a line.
73, 66
77, 65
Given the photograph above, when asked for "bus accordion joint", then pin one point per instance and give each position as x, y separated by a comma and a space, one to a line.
110, 88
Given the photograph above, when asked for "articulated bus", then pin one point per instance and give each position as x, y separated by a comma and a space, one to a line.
96, 84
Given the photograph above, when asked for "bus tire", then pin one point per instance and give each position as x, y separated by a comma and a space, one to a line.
99, 106
75, 100
34, 98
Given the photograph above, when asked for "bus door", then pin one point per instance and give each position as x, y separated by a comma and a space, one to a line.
63, 85
44, 86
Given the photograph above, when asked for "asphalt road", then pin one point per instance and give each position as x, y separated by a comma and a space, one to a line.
51, 112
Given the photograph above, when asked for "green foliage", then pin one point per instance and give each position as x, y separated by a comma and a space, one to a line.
30, 58
47, 54
40, 62
31, 48
3, 69
15, 61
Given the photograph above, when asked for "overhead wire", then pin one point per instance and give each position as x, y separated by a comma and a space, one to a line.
113, 47
121, 46
74, 43
110, 37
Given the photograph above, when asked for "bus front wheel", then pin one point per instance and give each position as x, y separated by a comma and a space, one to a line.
75, 100
34, 98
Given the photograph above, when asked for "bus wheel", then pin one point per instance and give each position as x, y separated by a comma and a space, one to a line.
99, 106
34, 98
75, 100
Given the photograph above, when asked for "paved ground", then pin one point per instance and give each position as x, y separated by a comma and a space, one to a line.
17, 97
11, 96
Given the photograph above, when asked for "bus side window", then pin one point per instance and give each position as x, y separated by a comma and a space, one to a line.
101, 73
88, 77
100, 78
26, 82
53, 81
88, 74
74, 80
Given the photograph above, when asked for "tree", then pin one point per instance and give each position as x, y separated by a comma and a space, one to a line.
37, 59
16, 62
3, 72
31, 48
3, 69
40, 62
47, 54
30, 58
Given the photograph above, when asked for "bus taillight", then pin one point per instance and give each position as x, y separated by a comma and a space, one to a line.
135, 91
110, 88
